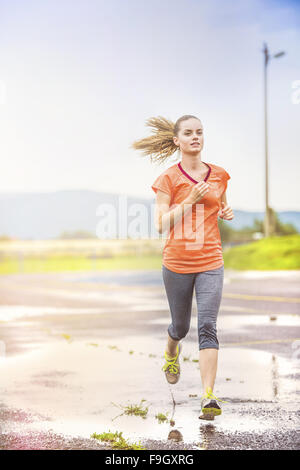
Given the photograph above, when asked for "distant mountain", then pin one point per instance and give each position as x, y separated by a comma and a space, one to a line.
48, 215
246, 219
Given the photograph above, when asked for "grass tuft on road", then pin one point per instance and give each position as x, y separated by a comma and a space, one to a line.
117, 441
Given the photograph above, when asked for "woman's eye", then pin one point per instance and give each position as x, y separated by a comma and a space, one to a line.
188, 133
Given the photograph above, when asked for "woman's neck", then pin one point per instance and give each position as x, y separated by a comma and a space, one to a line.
192, 162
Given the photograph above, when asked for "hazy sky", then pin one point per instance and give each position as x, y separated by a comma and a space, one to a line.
78, 79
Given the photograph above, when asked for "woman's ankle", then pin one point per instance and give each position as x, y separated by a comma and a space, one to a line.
207, 388
171, 353
171, 348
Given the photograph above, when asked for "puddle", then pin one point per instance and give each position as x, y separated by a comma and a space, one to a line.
146, 302
77, 385
241, 322
13, 312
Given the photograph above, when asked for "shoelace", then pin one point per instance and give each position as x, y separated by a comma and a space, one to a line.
210, 395
170, 364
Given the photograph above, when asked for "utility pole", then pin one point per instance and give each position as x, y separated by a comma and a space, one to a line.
267, 214
267, 58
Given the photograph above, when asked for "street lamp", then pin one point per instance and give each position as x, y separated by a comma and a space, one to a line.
266, 61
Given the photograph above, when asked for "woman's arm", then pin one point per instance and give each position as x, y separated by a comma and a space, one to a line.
224, 198
164, 218
226, 212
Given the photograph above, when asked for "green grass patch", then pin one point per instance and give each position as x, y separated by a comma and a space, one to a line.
67, 337
266, 254
270, 253
114, 348
186, 358
161, 417
134, 410
48, 263
117, 441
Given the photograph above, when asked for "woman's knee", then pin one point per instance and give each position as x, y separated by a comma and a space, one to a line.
207, 334
178, 332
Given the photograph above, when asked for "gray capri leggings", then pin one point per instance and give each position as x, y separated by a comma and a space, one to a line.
208, 287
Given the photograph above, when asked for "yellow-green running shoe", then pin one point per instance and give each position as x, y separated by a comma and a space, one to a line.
210, 404
172, 367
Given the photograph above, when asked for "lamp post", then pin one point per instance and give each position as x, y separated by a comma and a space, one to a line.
267, 58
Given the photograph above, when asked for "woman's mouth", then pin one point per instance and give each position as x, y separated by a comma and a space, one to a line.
196, 143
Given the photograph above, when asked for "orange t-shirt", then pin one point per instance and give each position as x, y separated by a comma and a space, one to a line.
194, 243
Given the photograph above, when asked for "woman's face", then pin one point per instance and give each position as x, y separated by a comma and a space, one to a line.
190, 136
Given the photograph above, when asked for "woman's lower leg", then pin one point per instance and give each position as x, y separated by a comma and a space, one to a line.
171, 349
208, 362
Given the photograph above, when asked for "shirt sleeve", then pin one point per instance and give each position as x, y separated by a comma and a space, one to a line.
227, 176
163, 183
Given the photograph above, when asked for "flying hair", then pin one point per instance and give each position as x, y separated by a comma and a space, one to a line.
160, 145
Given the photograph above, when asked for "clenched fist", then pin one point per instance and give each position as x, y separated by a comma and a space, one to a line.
198, 191
226, 212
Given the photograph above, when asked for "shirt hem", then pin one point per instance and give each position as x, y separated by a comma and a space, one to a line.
194, 271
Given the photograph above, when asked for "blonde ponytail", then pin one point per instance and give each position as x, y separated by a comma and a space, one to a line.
160, 145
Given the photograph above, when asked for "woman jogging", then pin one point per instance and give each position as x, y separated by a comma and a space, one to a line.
190, 195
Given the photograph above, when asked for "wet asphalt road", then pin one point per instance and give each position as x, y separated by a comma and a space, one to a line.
73, 343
